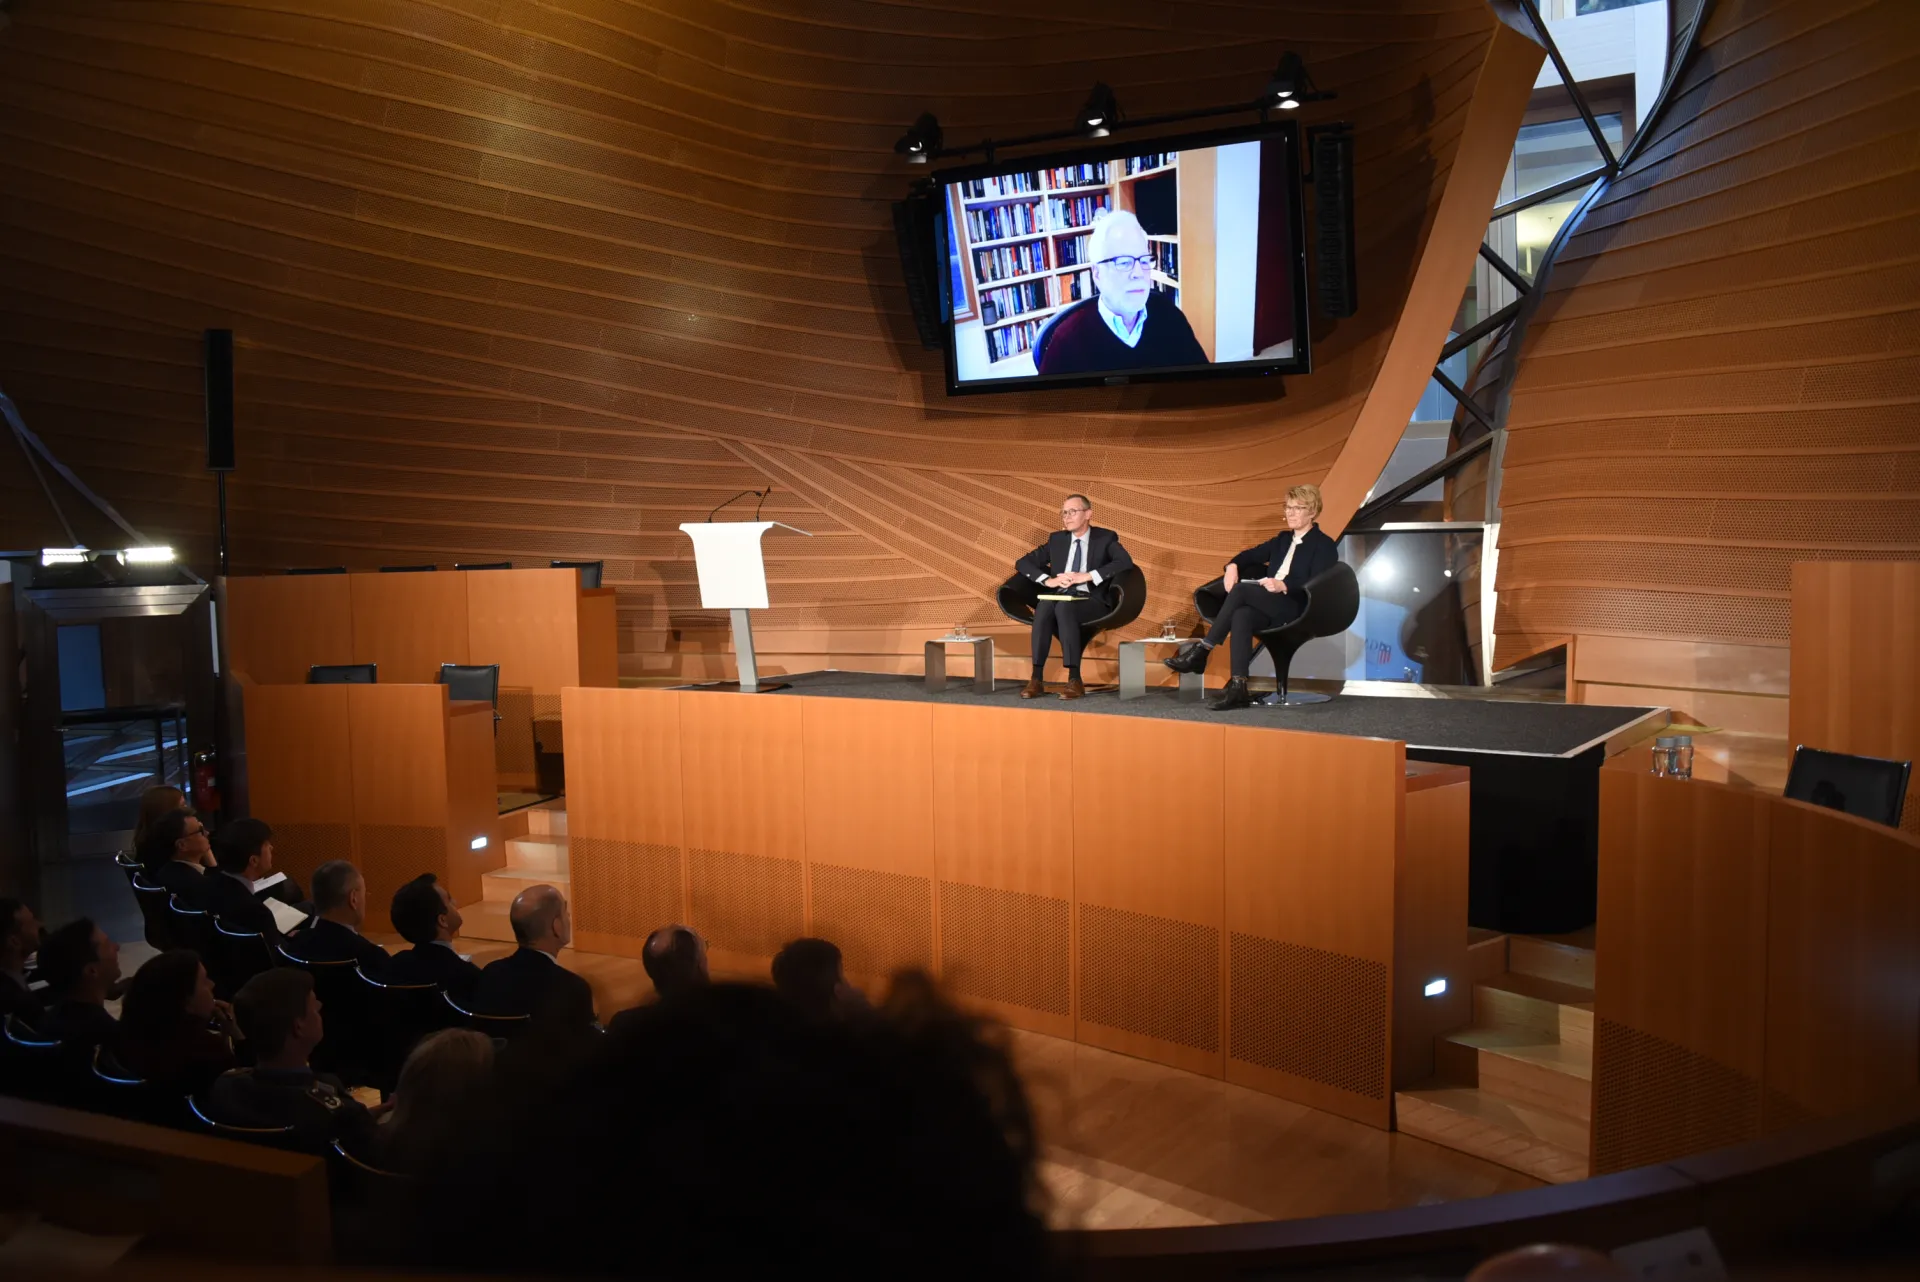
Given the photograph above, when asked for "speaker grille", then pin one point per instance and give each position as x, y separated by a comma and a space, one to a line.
883, 921
745, 903
1150, 975
1316, 1014
1005, 946
1333, 222
1653, 1100
391, 855
298, 849
624, 888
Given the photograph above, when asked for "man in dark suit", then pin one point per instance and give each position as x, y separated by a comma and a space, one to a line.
81, 965
280, 1015
175, 855
426, 917
1288, 561
1082, 560
340, 900
244, 853
530, 981
19, 940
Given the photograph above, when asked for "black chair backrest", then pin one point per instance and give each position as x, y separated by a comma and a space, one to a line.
32, 1066
1869, 787
189, 927
408, 569
483, 565
273, 1136
343, 674
1044, 339
1333, 601
123, 1093
477, 681
1018, 596
153, 911
345, 1048
402, 1014
235, 957
501, 1026
591, 572
127, 863
317, 569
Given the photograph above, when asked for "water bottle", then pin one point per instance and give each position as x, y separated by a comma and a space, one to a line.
1663, 756
1681, 766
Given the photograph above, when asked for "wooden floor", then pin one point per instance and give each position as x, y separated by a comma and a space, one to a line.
1136, 1145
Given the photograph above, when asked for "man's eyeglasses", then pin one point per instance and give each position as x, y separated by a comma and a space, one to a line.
1074, 511
1128, 262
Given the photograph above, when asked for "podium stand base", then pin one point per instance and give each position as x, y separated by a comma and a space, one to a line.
765, 687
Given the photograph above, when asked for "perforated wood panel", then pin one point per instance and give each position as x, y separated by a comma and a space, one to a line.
624, 888
391, 855
1654, 1100
298, 849
882, 921
745, 903
1731, 326
545, 281
1309, 1012
1150, 975
1004, 946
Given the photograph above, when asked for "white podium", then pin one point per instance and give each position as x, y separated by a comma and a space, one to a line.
733, 577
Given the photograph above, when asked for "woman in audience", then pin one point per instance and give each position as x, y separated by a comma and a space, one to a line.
445, 1086
155, 803
171, 1028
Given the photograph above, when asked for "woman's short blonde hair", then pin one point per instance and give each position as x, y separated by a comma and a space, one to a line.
1308, 494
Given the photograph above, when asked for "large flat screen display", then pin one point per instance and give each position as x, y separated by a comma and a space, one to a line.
1177, 258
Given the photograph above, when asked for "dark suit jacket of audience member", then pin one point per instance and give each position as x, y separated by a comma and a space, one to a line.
229, 899
528, 982
329, 941
316, 1105
1316, 556
80, 1024
21, 1002
435, 963
184, 880
186, 1060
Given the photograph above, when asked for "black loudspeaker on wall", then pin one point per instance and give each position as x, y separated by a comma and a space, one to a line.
913, 233
219, 363
1334, 275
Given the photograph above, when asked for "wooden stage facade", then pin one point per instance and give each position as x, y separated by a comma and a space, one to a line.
1150, 886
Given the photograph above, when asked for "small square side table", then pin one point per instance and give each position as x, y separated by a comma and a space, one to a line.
982, 662
1133, 670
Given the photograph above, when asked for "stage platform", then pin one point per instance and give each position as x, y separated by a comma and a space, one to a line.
1426, 719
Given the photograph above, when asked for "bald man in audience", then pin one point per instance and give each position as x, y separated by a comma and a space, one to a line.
531, 980
340, 900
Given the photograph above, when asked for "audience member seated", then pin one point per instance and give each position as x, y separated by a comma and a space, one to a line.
156, 803
279, 1015
172, 1031
725, 1134
177, 853
530, 980
426, 917
445, 1090
19, 940
676, 960
807, 972
340, 899
245, 854
82, 967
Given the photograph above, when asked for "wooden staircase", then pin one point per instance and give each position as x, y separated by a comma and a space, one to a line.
539, 854
1517, 1087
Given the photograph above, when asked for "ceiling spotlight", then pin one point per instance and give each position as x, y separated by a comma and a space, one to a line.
63, 556
1100, 114
1290, 84
922, 142
149, 556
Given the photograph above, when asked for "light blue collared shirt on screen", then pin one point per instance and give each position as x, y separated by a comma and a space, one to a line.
1131, 337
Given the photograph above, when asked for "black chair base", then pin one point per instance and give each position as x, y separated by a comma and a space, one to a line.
1293, 699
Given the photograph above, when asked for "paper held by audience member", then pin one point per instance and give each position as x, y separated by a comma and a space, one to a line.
285, 916
268, 883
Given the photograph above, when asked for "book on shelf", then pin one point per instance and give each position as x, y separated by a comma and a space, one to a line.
1078, 211
1077, 175
1153, 160
1014, 340
1166, 258
1073, 249
997, 222
1010, 260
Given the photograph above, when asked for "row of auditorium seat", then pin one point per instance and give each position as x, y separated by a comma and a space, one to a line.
591, 572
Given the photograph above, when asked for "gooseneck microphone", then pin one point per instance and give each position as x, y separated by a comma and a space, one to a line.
759, 494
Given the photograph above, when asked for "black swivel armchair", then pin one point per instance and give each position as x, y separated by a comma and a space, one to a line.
1333, 603
1873, 788
343, 674
476, 682
1019, 596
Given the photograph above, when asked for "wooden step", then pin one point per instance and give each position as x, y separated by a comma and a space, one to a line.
486, 920
1536, 1142
1550, 1011
1518, 1066
502, 884
543, 853
1544, 959
543, 821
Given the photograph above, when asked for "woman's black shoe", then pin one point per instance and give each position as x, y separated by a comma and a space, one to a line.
1234, 696
1192, 658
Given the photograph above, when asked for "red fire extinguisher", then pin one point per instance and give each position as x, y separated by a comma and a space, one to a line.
206, 782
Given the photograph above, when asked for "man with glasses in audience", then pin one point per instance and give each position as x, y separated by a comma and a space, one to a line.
177, 851
1129, 324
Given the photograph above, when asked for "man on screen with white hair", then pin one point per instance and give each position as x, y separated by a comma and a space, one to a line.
1129, 324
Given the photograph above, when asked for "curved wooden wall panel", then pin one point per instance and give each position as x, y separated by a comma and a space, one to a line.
1724, 377
532, 279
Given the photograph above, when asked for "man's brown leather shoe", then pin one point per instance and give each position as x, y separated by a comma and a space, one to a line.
1034, 688
1074, 689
